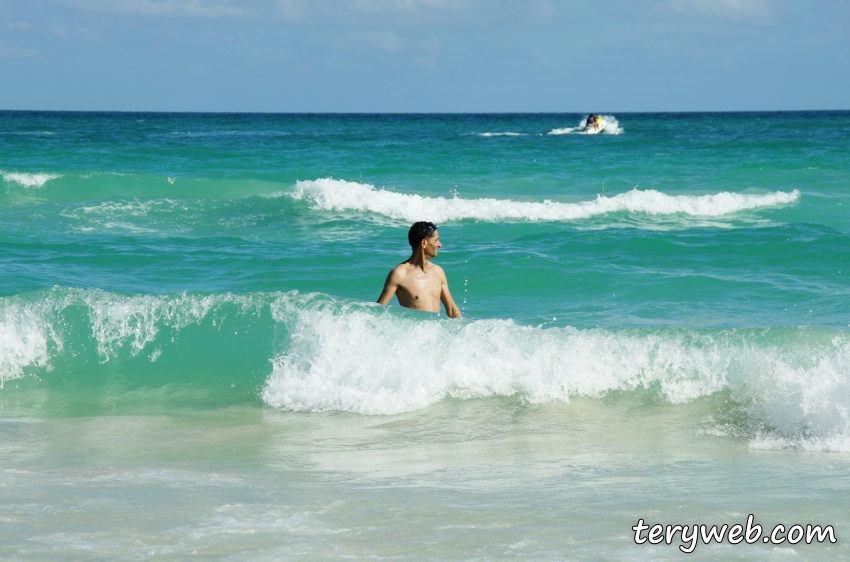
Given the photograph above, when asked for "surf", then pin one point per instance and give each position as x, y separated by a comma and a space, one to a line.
90, 352
328, 194
28, 180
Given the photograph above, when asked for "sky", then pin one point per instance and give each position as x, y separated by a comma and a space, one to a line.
424, 55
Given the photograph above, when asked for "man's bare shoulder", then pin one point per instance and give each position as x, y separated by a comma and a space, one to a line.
405, 269
437, 270
401, 270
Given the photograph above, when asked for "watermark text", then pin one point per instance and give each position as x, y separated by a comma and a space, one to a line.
750, 533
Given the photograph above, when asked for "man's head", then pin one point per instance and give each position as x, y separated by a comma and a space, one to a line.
424, 235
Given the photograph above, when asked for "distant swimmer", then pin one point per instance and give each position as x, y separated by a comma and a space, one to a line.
418, 283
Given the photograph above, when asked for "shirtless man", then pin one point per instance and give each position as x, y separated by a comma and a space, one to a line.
418, 283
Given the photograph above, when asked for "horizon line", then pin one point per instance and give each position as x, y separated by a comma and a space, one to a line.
411, 113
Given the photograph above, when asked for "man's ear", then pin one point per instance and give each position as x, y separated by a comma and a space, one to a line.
423, 242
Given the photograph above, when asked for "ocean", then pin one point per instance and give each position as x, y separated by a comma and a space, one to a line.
193, 366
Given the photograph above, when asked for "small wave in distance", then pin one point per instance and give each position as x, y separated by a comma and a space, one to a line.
28, 180
504, 134
329, 194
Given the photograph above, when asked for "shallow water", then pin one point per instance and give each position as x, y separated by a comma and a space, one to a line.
656, 326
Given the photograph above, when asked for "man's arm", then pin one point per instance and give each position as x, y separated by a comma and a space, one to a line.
452, 310
390, 287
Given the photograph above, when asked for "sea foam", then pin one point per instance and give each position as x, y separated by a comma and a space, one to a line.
790, 387
793, 384
28, 180
134, 216
329, 194
25, 335
34, 332
562, 131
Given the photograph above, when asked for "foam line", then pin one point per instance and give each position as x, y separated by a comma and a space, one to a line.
361, 359
790, 387
28, 180
339, 195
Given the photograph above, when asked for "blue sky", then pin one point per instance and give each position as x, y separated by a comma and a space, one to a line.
424, 55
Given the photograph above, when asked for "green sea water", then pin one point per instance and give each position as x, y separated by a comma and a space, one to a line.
192, 364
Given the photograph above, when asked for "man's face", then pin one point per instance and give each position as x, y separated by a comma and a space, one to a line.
432, 244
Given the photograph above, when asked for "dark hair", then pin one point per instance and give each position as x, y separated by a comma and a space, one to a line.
419, 232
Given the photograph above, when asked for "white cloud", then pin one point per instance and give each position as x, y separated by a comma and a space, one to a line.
384, 40
160, 8
58, 28
361, 12
294, 10
404, 9
727, 9
8, 51
320, 11
406, 5
541, 11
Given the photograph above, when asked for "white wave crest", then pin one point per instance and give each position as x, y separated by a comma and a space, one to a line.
339, 195
505, 134
795, 384
31, 133
119, 321
31, 332
383, 364
28, 180
791, 385
233, 133
25, 336
134, 321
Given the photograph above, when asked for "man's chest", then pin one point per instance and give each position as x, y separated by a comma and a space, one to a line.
426, 283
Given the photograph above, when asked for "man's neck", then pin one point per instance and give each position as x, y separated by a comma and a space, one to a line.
419, 259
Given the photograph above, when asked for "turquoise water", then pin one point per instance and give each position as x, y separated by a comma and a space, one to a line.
187, 318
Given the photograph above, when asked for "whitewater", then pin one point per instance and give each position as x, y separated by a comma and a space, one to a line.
340, 195
334, 355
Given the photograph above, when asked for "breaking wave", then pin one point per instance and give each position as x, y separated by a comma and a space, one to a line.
786, 387
790, 384
356, 357
28, 180
339, 195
